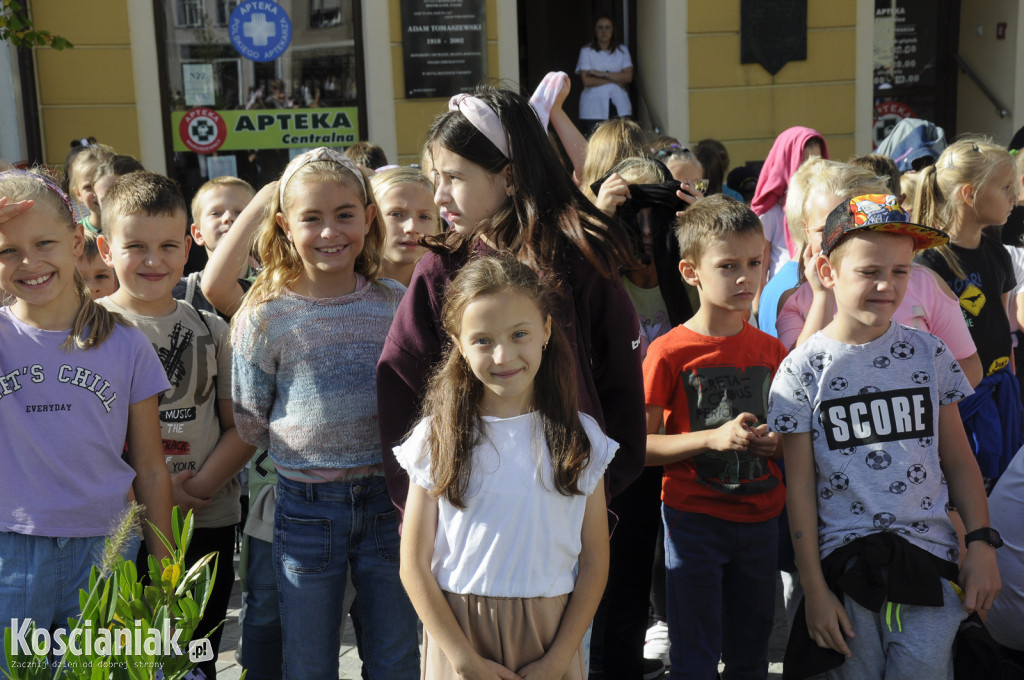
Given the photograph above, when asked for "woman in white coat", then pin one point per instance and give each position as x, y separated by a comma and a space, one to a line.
606, 69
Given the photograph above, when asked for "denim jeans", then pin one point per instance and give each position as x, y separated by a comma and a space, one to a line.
261, 627
40, 577
720, 595
320, 532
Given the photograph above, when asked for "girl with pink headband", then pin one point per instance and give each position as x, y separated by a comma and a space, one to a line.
502, 189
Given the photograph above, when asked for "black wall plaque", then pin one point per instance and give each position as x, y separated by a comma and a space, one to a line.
773, 32
444, 45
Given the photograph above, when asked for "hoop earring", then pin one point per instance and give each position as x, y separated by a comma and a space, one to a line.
544, 347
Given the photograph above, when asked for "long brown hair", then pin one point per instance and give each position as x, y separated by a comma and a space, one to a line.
454, 392
546, 213
93, 324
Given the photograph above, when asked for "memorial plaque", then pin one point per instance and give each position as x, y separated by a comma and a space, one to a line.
773, 32
444, 46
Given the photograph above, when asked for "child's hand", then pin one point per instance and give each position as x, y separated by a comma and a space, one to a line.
182, 498
689, 195
542, 669
614, 192
827, 622
734, 435
8, 210
484, 669
764, 443
979, 577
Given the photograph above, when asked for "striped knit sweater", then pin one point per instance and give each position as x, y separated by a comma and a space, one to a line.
304, 376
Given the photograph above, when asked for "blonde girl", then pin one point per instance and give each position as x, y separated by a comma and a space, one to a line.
973, 185
306, 339
78, 384
81, 174
612, 141
406, 200
507, 495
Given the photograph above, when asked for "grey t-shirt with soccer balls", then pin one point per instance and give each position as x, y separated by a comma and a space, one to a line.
873, 414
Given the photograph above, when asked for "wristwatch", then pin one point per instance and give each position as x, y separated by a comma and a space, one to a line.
987, 534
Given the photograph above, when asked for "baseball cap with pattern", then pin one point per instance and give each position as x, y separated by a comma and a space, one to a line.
876, 212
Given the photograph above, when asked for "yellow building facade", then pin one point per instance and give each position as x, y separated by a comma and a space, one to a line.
688, 73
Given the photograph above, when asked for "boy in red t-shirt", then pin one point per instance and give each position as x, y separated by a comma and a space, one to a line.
707, 383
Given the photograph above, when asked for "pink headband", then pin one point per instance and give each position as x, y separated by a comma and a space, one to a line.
321, 154
483, 118
46, 182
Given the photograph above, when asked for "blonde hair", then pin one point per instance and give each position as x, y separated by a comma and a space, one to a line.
93, 323
908, 187
215, 183
642, 170
832, 179
612, 141
282, 265
971, 161
383, 182
94, 153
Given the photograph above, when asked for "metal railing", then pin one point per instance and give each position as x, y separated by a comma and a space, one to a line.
969, 72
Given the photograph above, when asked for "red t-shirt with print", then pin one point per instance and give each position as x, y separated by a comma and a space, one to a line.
703, 382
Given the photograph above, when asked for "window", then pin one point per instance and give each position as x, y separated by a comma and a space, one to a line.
224, 10
189, 13
324, 13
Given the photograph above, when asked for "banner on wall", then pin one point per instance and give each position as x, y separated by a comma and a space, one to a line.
206, 130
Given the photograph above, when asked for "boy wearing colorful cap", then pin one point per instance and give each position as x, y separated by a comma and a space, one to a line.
873, 439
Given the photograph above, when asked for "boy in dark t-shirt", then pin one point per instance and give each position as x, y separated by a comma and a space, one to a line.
707, 382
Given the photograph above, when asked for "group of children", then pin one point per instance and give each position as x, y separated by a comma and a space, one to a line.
500, 383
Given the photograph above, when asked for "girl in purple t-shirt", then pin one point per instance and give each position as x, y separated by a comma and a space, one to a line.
76, 385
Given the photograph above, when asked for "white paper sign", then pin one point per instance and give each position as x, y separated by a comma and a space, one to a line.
218, 166
198, 80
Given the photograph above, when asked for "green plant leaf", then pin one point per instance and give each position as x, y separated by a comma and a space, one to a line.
163, 539
186, 539
195, 571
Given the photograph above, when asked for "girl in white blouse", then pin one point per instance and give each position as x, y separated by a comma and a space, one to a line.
507, 496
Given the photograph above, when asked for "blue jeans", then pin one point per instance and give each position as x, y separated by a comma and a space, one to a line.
40, 577
720, 595
320, 531
261, 627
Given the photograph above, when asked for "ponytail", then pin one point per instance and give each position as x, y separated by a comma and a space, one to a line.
932, 209
97, 320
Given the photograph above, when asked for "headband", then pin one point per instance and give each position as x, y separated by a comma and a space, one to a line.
321, 154
46, 182
483, 118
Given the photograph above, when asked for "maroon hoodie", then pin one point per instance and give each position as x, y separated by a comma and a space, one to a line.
599, 321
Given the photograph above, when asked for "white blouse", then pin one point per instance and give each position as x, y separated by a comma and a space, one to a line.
594, 100
517, 536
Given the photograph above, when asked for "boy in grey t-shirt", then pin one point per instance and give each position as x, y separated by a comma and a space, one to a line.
872, 441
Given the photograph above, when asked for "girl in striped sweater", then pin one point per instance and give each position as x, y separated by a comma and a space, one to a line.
307, 339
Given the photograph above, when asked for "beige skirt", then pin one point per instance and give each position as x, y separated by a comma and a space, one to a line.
511, 631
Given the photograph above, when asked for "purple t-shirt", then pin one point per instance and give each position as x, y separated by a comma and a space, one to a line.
64, 417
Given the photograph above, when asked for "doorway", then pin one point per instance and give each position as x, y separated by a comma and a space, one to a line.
915, 73
552, 33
